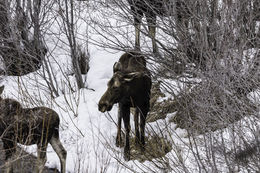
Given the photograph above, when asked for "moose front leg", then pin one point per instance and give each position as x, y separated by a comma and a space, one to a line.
137, 24
137, 35
118, 136
126, 118
152, 31
151, 20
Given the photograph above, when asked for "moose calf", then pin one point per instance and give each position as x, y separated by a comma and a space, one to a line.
39, 125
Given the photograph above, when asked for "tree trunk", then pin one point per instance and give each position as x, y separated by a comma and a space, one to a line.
69, 20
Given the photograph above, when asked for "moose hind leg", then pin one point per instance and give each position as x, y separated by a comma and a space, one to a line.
41, 158
137, 133
137, 35
61, 152
151, 21
142, 128
10, 149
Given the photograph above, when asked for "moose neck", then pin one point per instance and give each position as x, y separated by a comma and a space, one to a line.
137, 91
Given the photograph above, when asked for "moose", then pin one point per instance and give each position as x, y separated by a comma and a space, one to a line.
153, 8
27, 126
129, 86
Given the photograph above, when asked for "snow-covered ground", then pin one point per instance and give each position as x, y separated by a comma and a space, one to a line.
88, 137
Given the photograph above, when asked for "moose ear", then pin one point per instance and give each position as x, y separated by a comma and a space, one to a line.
2, 89
117, 67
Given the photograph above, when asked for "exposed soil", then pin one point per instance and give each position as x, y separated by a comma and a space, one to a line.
155, 147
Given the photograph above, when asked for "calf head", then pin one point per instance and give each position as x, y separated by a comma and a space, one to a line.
1, 89
117, 88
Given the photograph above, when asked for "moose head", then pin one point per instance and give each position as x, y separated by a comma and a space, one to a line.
118, 87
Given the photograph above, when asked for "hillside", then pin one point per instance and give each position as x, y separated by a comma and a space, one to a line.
203, 114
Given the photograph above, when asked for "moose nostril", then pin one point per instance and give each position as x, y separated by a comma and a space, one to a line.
102, 107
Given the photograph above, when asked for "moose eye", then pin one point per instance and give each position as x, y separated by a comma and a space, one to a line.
116, 84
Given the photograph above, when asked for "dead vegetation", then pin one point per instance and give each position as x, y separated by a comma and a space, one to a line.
156, 147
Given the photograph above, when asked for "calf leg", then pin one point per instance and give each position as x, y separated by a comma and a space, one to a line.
9, 166
118, 136
61, 152
10, 149
41, 158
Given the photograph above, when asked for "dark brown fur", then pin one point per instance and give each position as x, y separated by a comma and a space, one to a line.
39, 125
130, 87
131, 62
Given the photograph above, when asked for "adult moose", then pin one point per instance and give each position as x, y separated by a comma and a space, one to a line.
129, 86
153, 8
39, 125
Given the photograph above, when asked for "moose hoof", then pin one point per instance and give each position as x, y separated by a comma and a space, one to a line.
119, 142
137, 143
127, 155
142, 148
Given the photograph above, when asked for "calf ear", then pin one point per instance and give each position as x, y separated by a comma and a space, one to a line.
117, 67
2, 89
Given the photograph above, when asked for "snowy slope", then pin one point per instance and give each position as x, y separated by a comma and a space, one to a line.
89, 138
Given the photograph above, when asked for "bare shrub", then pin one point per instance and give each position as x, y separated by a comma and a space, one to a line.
208, 63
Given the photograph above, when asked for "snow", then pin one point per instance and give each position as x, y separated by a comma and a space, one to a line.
89, 137
91, 129
87, 134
